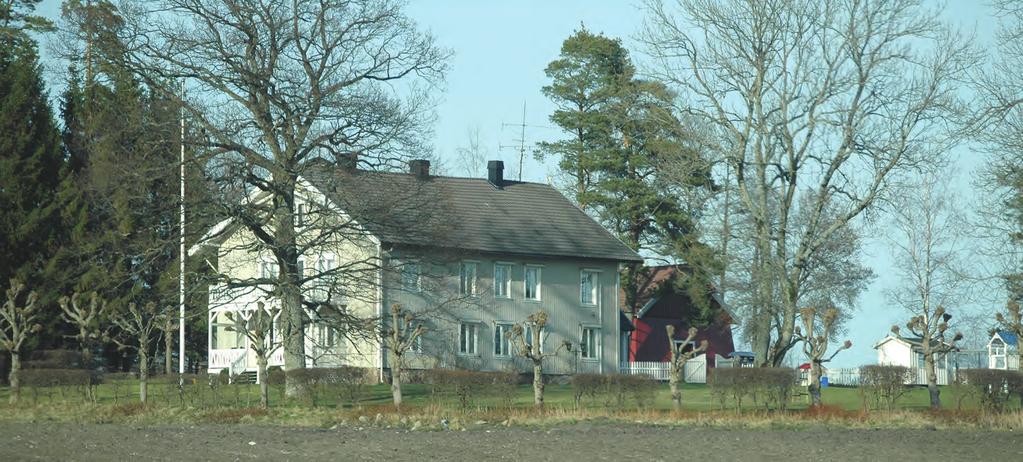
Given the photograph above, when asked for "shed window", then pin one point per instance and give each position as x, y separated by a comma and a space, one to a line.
410, 276
502, 344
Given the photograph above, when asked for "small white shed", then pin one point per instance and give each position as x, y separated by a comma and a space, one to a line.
908, 352
1003, 351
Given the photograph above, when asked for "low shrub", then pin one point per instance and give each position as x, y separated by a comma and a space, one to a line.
346, 383
46, 381
883, 384
469, 385
614, 390
772, 386
994, 386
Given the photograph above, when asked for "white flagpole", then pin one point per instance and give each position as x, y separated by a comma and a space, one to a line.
181, 250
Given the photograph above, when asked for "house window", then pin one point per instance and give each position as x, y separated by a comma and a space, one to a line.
588, 288
410, 276
301, 268
299, 214
532, 283
467, 278
417, 345
502, 280
468, 338
268, 270
502, 344
529, 338
590, 344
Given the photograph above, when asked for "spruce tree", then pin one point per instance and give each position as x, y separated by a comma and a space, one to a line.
30, 165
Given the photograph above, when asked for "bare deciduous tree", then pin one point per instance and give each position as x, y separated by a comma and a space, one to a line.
17, 324
399, 338
139, 324
926, 248
822, 99
258, 327
532, 348
816, 340
276, 85
473, 155
677, 362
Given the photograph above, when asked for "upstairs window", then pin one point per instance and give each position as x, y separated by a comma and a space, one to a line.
589, 287
467, 278
410, 276
502, 280
532, 283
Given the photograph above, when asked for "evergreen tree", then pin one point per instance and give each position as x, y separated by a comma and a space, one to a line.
30, 164
623, 131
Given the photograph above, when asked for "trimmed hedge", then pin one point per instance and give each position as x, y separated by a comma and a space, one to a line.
53, 359
470, 385
346, 383
613, 390
763, 385
994, 386
883, 384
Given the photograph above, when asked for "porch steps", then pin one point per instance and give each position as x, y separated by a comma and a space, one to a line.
245, 377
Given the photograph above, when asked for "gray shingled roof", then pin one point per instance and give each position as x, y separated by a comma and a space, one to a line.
469, 214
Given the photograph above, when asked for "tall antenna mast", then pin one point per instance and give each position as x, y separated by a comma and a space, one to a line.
521, 141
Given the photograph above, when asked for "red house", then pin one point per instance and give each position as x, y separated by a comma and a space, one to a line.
660, 303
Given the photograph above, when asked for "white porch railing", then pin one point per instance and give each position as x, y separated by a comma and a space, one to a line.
220, 359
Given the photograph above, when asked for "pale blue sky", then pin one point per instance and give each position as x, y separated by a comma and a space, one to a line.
501, 49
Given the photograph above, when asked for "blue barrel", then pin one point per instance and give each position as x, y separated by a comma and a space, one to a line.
824, 381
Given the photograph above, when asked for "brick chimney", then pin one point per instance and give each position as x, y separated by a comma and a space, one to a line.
420, 168
495, 173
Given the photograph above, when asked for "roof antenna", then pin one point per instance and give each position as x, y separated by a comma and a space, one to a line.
521, 140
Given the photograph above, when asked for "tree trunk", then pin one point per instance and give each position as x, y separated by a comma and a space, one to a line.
538, 383
14, 377
673, 384
143, 377
396, 385
168, 347
814, 387
932, 380
287, 280
264, 386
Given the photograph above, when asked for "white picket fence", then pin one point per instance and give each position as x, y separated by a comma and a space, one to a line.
695, 370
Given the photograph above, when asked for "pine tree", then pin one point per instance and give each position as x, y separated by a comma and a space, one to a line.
623, 131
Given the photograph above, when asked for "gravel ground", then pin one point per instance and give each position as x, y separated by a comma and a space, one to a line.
589, 442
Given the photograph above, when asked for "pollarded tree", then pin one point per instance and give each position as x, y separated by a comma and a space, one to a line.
528, 338
139, 324
400, 336
677, 362
17, 324
931, 328
88, 319
824, 99
279, 88
258, 326
816, 338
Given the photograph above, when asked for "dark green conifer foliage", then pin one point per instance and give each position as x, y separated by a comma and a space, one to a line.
622, 130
